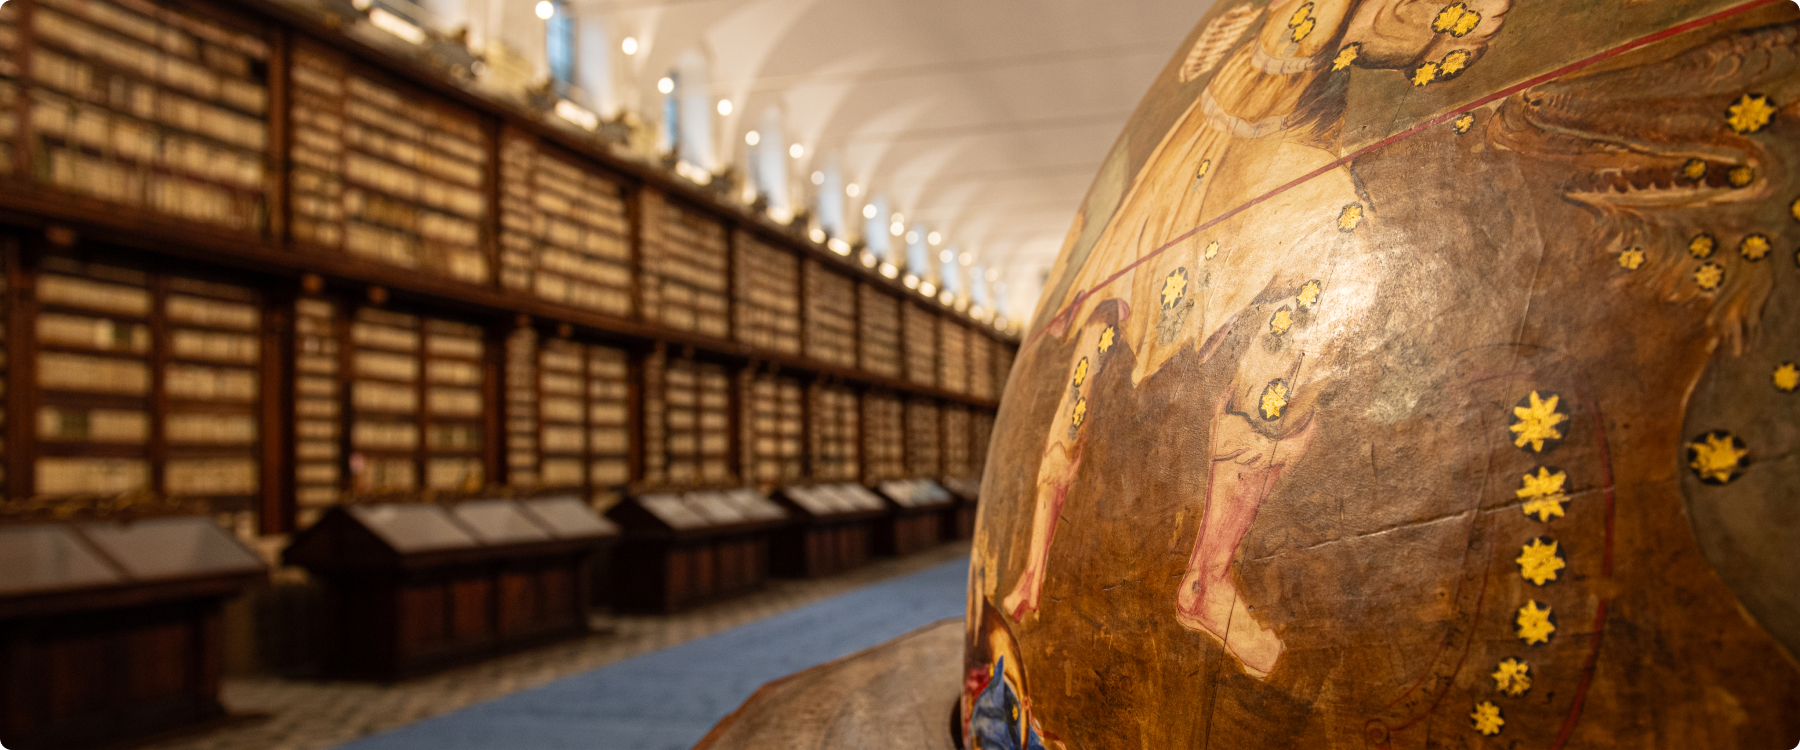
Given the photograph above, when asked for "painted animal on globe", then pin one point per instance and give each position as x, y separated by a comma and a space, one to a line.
1416, 374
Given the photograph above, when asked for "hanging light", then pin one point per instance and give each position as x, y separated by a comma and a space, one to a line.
818, 178
724, 107
993, 274
665, 84
796, 151
852, 190
965, 259
934, 238
869, 211
944, 256
897, 218
896, 229
912, 237
753, 137
546, 9
629, 46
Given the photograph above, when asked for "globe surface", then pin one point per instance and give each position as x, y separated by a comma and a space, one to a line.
1415, 374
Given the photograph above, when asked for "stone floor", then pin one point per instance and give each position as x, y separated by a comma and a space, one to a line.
316, 714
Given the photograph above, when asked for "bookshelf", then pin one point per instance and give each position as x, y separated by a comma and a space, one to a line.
345, 278
685, 267
953, 356
919, 341
833, 439
879, 329
766, 295
563, 229
883, 437
830, 316
924, 457
956, 438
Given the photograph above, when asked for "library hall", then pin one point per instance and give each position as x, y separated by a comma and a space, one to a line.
932, 374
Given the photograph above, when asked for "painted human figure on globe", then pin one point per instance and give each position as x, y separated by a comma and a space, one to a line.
1380, 376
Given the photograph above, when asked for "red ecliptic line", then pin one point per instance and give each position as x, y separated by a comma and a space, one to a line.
1402, 135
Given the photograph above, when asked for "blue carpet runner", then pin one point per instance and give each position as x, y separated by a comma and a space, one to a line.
669, 699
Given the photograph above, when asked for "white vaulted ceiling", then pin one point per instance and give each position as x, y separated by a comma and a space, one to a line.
983, 119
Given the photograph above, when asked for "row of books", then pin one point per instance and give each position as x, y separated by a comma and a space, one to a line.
830, 316
880, 339
563, 230
953, 359
835, 434
920, 331
768, 295
684, 267
884, 437
775, 430
923, 431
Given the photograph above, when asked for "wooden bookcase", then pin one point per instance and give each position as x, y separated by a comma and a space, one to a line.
258, 269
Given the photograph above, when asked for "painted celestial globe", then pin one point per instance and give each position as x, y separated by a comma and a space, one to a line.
1416, 374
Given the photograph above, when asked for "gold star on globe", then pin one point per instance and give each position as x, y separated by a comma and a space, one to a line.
1717, 457
1274, 399
1787, 377
1538, 562
1543, 493
1709, 276
1534, 624
1537, 422
1346, 56
1174, 287
1740, 176
1351, 217
1694, 169
1794, 210
1300, 15
1106, 339
1081, 372
1462, 124
1309, 294
1750, 114
1304, 30
1454, 62
1467, 23
1078, 414
1447, 18
1631, 258
1486, 718
1755, 247
1205, 166
1281, 321
1212, 249
1425, 74
1701, 246
1512, 677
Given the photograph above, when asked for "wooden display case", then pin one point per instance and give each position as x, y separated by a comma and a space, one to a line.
833, 530
685, 549
917, 520
414, 587
110, 632
959, 519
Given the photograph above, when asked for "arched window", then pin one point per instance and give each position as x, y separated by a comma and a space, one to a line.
771, 158
950, 273
830, 205
918, 261
875, 228
559, 46
671, 111
695, 100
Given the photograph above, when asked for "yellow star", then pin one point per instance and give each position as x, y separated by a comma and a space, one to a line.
1538, 562
1205, 166
1467, 23
1535, 625
1513, 677
1346, 56
1462, 124
1212, 249
1701, 246
1106, 339
1081, 372
1486, 718
1350, 217
1454, 62
1794, 210
1274, 399
1174, 287
1709, 276
1754, 247
1447, 18
1425, 74
1631, 258
1787, 377
1717, 457
1078, 414
1309, 294
1303, 30
1300, 15
1282, 320
1543, 493
1694, 169
1740, 176
1537, 422
1750, 114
